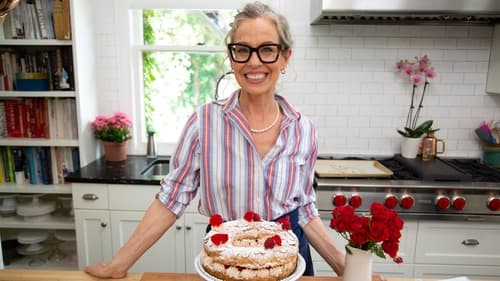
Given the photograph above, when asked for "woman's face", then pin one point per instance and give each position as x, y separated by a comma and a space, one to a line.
255, 77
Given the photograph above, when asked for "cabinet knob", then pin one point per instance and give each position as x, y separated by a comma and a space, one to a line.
103, 224
89, 197
470, 242
178, 227
188, 227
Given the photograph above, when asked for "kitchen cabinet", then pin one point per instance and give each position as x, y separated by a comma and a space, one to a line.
108, 215
11, 226
383, 266
492, 82
470, 248
436, 249
81, 92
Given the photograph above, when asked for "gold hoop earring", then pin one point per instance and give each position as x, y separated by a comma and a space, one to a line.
283, 71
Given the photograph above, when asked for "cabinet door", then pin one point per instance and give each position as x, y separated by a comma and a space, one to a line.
195, 228
429, 271
458, 243
166, 255
93, 235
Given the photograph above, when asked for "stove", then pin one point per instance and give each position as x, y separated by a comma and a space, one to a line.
445, 189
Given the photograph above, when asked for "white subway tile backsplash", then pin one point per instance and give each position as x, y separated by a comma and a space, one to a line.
480, 31
478, 55
401, 43
455, 55
474, 78
342, 54
456, 31
343, 77
352, 42
464, 67
317, 53
375, 42
328, 41
446, 43
422, 43
341, 30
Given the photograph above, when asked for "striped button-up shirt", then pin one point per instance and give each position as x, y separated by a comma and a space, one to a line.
217, 158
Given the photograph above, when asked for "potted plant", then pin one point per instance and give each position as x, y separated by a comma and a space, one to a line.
410, 145
419, 72
114, 133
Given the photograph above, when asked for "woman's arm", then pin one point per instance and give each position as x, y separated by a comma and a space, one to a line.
153, 225
320, 239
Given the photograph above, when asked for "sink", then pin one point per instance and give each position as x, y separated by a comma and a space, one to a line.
157, 168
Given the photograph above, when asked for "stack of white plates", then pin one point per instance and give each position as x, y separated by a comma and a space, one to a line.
8, 205
30, 242
35, 209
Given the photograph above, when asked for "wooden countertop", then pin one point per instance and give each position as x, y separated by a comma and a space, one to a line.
60, 275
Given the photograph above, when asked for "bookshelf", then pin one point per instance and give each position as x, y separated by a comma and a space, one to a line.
73, 50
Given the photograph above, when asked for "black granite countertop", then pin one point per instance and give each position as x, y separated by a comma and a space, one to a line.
123, 172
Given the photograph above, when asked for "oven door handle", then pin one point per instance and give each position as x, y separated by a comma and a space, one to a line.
470, 242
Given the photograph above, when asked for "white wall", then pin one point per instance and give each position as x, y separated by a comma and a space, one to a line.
343, 77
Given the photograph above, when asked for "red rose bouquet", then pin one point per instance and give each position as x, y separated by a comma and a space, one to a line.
378, 232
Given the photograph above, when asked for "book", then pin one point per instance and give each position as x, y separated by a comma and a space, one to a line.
30, 164
42, 20
61, 18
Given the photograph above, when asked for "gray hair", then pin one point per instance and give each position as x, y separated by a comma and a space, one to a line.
260, 10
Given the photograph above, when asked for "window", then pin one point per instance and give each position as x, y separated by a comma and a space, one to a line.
180, 55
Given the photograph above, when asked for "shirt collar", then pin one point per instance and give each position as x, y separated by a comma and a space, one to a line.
231, 103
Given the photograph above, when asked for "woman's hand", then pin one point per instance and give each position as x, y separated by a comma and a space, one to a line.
378, 277
104, 270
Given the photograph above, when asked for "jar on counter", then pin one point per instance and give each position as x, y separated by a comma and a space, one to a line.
430, 146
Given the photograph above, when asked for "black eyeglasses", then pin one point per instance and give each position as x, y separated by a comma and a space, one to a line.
241, 53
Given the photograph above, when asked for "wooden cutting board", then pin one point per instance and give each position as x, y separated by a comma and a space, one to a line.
351, 169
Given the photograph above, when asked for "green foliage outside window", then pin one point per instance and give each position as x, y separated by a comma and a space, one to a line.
176, 82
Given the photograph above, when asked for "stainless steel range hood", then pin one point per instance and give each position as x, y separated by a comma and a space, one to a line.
405, 11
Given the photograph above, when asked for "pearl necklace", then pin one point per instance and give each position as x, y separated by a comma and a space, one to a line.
258, 131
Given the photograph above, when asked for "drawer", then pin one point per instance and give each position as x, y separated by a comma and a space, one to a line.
458, 243
90, 196
131, 197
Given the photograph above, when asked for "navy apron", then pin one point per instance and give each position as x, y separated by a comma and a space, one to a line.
304, 250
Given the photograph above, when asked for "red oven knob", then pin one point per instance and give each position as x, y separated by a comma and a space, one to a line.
391, 201
442, 202
494, 203
355, 200
407, 201
459, 203
339, 199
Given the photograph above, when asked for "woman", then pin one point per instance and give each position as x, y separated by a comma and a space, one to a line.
252, 151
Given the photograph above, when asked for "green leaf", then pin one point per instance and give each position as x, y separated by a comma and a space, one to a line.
421, 129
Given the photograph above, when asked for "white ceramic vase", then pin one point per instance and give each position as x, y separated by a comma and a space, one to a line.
410, 147
358, 265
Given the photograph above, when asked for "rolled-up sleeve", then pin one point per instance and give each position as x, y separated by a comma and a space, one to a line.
179, 186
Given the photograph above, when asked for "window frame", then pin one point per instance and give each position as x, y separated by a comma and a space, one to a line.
128, 21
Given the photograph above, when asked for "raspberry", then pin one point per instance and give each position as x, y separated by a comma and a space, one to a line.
216, 220
251, 216
277, 239
269, 244
285, 223
219, 238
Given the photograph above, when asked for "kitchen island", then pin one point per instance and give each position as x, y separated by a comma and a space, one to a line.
58, 275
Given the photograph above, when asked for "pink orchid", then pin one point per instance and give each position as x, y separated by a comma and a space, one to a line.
419, 72
416, 79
